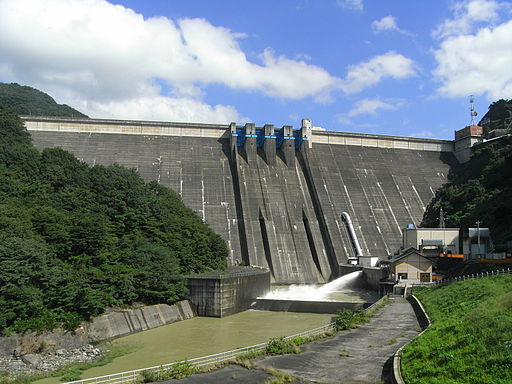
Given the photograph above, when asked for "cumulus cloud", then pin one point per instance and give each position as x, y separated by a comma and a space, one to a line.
107, 57
371, 106
388, 23
371, 72
356, 5
468, 14
478, 62
164, 109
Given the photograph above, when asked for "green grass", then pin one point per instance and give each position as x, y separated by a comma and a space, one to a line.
280, 377
179, 370
470, 339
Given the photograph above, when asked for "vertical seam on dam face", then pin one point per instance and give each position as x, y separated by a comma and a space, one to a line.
238, 206
283, 203
311, 243
266, 246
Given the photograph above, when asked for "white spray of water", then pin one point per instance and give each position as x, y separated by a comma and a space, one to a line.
313, 292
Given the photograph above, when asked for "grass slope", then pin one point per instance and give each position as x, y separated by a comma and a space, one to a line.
470, 339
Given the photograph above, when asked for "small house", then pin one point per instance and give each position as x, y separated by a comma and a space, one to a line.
412, 266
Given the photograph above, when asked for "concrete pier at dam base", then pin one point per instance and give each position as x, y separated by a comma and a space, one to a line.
274, 194
225, 293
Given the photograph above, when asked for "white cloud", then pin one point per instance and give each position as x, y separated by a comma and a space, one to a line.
423, 133
165, 109
477, 63
371, 106
468, 14
343, 119
103, 55
388, 23
356, 5
371, 72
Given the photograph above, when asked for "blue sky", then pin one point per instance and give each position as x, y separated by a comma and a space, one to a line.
390, 67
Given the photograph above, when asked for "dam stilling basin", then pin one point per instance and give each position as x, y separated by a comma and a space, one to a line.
346, 292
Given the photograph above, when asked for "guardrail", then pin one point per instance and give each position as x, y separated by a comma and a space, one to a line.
136, 376
474, 276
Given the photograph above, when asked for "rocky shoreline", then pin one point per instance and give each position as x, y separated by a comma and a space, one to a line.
48, 361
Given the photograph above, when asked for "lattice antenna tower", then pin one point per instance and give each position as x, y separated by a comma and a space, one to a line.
472, 111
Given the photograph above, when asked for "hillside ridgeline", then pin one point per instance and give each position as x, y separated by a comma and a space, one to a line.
24, 100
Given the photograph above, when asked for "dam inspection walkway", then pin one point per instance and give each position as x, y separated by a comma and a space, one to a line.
361, 355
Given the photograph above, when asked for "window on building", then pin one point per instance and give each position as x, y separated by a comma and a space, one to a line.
402, 276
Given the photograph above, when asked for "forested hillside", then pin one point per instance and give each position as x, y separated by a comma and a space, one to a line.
75, 239
481, 189
27, 101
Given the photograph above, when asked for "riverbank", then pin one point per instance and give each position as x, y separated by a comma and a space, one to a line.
38, 353
201, 336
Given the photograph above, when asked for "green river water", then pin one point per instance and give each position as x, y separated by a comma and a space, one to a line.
201, 336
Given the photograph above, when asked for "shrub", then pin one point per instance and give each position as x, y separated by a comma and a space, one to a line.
179, 370
347, 319
281, 346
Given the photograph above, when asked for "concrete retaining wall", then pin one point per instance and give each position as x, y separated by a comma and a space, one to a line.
220, 295
124, 322
104, 327
306, 306
373, 275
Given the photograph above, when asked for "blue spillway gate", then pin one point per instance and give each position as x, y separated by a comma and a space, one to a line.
260, 136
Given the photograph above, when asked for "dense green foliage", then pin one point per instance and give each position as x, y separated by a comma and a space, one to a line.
499, 116
347, 319
26, 100
470, 339
75, 239
281, 346
480, 189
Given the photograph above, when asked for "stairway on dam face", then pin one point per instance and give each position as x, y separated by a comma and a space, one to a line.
283, 214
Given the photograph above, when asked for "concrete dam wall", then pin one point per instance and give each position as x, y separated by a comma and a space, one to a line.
275, 195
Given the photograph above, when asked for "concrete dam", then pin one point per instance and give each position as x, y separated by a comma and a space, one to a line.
274, 194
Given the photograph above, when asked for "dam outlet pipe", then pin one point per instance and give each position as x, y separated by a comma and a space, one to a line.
345, 217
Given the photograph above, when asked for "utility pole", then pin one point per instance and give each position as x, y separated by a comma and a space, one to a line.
478, 237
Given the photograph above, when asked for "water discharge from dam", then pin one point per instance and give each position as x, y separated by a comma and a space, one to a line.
323, 292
